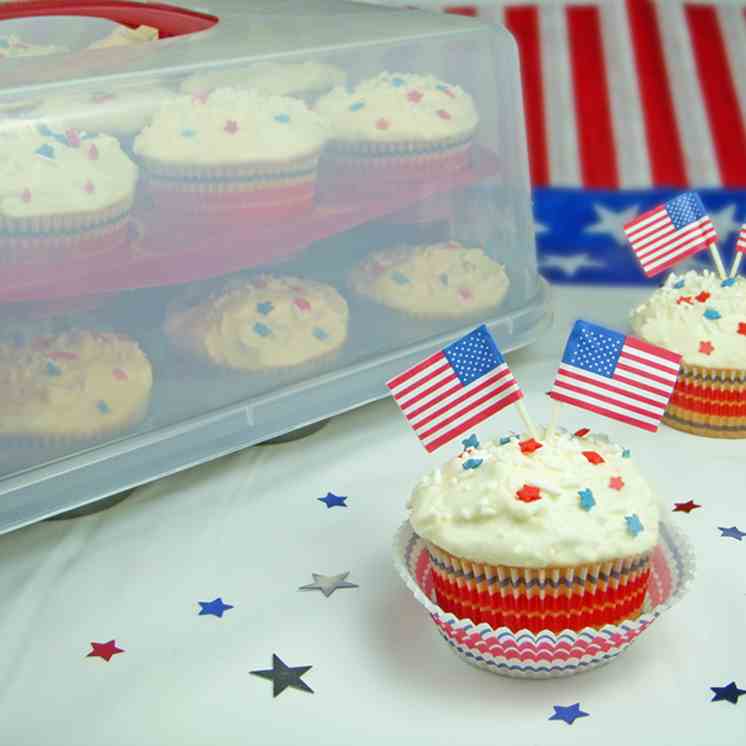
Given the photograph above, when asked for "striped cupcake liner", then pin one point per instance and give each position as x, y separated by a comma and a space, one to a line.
709, 401
546, 654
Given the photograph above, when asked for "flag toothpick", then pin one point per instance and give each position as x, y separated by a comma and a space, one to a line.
740, 251
718, 262
527, 421
553, 420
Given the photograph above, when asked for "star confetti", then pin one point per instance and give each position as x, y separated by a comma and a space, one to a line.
728, 283
593, 457
731, 533
582, 432
327, 584
231, 127
334, 501
471, 442
703, 297
686, 507
729, 692
684, 299
472, 463
568, 714
587, 501
214, 608
616, 483
528, 493
711, 314
530, 445
742, 328
283, 676
634, 526
105, 650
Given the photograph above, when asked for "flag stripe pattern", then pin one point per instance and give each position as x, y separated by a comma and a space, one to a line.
741, 242
617, 376
455, 389
669, 233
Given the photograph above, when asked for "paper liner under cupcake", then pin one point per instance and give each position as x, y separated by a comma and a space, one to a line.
709, 402
546, 654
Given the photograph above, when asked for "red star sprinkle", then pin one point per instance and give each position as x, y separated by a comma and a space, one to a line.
26, 195
383, 124
530, 445
88, 187
703, 297
582, 432
686, 507
231, 127
73, 138
119, 374
101, 98
415, 97
302, 304
200, 97
448, 92
616, 483
593, 457
93, 153
105, 650
706, 348
684, 299
465, 294
528, 493
443, 114
742, 328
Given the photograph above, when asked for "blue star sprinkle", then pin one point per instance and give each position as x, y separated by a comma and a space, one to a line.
399, 278
262, 329
568, 714
214, 608
103, 407
626, 453
443, 277
320, 334
679, 285
357, 106
264, 308
188, 133
45, 151
505, 440
53, 370
729, 283
45, 131
282, 118
730, 693
472, 463
731, 533
333, 501
711, 314
397, 82
587, 500
634, 526
471, 442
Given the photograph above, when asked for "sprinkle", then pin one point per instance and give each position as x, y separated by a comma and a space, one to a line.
262, 329
397, 82
472, 463
302, 304
706, 348
443, 277
357, 106
93, 152
703, 296
44, 130
712, 314
399, 278
88, 187
103, 407
231, 127
742, 328
63, 355
414, 96
729, 283
26, 195
45, 151
383, 124
188, 132
680, 284
528, 493
100, 98
119, 374
260, 282
471, 442
582, 432
53, 370
282, 118
200, 97
465, 294
264, 308
445, 89
320, 334
616, 483
73, 138
530, 445
593, 457
684, 299
443, 114
505, 440
634, 526
626, 453
587, 501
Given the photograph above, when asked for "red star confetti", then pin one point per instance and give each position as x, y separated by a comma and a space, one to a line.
528, 493
200, 97
443, 114
119, 374
415, 97
686, 507
302, 304
616, 483
742, 328
105, 650
703, 297
465, 294
582, 432
706, 348
684, 299
231, 127
93, 153
530, 445
593, 457
88, 187
382, 124
73, 138
26, 196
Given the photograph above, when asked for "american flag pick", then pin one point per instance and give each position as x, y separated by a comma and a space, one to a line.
740, 251
617, 376
671, 232
455, 389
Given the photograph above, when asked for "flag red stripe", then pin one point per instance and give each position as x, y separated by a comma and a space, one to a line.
626, 356
633, 369
593, 112
607, 387
426, 363
631, 226
671, 235
673, 260
652, 349
417, 412
602, 411
470, 423
719, 93
463, 10
664, 142
400, 396
645, 387
523, 23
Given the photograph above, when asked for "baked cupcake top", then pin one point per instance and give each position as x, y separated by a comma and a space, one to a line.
75, 383
444, 279
572, 501
12, 46
399, 108
230, 127
43, 172
698, 315
276, 78
124, 36
265, 322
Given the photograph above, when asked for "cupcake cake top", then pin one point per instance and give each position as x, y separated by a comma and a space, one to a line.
230, 126
75, 382
698, 315
45, 172
266, 322
124, 36
515, 502
399, 108
12, 46
276, 78
437, 279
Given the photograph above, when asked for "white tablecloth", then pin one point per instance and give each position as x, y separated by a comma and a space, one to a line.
250, 529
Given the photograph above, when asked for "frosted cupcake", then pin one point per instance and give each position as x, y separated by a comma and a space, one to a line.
704, 320
232, 151
12, 47
124, 36
398, 127
554, 536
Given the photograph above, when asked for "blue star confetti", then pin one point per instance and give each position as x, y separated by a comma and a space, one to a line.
357, 106
679, 285
53, 370
471, 442
505, 440
264, 308
729, 283
283, 676
568, 714
731, 533
214, 608
634, 526
626, 453
282, 118
45, 151
729, 692
472, 463
712, 314
333, 501
262, 329
587, 500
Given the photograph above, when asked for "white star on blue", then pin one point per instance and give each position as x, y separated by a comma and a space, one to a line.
593, 348
684, 209
474, 355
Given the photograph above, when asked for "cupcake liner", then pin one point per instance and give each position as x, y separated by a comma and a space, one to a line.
709, 401
546, 654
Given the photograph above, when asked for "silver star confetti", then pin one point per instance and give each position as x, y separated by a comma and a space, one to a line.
327, 584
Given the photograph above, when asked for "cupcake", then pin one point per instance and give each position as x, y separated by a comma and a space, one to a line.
63, 195
74, 386
124, 36
12, 47
232, 152
397, 127
265, 324
539, 536
704, 320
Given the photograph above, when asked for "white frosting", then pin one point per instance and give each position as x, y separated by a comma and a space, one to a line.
124, 36
399, 107
12, 46
276, 78
475, 514
232, 127
682, 326
91, 175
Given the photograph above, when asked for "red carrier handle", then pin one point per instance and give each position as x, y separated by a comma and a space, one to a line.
168, 19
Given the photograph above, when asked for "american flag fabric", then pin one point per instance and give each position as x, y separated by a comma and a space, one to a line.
671, 232
741, 242
455, 389
617, 376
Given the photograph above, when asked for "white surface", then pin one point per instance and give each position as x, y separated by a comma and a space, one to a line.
250, 529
